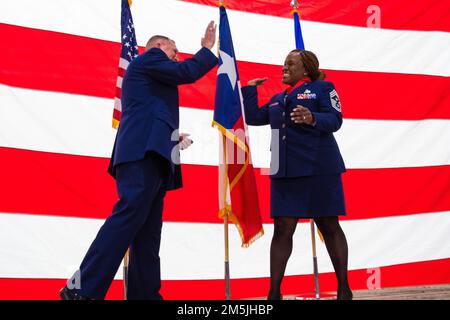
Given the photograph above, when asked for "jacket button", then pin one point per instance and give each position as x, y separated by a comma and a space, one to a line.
284, 138
283, 114
284, 125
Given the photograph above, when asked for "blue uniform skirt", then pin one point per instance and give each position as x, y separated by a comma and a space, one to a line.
307, 197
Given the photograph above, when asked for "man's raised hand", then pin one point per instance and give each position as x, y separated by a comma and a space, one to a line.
210, 36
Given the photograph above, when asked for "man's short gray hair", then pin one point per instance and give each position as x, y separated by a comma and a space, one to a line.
154, 39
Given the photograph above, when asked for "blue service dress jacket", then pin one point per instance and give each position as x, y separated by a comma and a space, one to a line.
299, 150
150, 107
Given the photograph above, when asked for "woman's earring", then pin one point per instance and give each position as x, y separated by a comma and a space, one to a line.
305, 73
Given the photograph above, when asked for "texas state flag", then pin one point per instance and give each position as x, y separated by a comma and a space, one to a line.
238, 197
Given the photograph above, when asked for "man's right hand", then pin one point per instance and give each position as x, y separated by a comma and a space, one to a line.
210, 36
185, 142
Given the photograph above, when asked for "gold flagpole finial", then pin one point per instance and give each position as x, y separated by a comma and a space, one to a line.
295, 4
221, 4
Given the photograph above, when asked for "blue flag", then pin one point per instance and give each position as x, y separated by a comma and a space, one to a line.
298, 32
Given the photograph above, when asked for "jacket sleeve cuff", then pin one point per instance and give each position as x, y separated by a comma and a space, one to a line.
249, 91
206, 58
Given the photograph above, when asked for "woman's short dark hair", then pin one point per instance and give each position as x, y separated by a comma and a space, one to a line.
311, 64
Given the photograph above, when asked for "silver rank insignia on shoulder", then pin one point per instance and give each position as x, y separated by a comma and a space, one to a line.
335, 102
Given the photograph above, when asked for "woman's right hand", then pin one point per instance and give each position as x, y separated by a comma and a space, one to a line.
257, 81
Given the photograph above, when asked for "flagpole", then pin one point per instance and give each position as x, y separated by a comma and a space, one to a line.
300, 45
225, 217
127, 254
227, 263
314, 254
125, 274
225, 224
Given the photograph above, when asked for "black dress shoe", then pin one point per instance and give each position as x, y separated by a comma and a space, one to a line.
67, 294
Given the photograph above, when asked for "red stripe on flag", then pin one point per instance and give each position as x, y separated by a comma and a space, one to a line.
79, 65
410, 274
118, 92
41, 67
68, 185
121, 72
424, 15
117, 114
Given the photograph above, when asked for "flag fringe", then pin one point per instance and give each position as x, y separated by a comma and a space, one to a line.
240, 144
115, 123
228, 211
320, 235
226, 132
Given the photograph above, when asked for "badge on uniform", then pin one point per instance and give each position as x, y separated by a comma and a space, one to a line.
307, 95
335, 102
274, 104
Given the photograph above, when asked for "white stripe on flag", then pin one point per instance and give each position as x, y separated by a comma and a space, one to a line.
363, 143
123, 63
117, 104
53, 247
80, 125
119, 82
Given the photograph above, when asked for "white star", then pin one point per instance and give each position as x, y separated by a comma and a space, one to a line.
124, 36
127, 44
227, 67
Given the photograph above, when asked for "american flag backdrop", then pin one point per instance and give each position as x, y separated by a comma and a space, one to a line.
58, 75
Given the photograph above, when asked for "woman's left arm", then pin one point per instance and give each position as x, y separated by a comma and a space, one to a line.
329, 117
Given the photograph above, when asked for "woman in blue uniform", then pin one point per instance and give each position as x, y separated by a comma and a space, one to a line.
306, 163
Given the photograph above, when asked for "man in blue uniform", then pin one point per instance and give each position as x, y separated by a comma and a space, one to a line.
145, 163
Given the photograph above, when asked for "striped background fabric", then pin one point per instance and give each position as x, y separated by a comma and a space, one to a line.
58, 72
